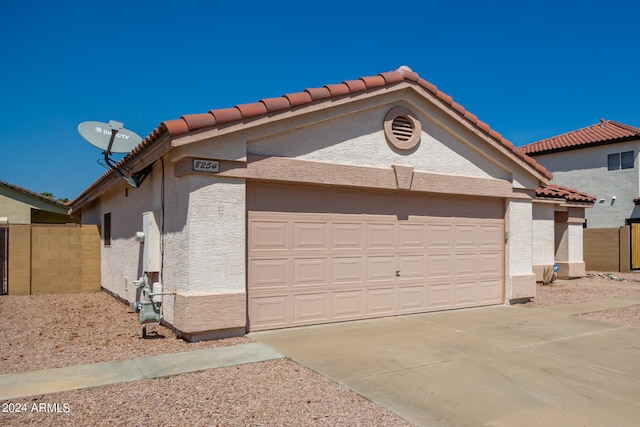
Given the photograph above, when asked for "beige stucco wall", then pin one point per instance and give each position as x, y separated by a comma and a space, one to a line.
16, 211
586, 170
543, 237
16, 206
520, 281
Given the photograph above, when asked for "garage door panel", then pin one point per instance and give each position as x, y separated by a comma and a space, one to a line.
412, 267
269, 312
440, 266
348, 305
268, 235
381, 236
490, 291
268, 273
347, 254
466, 236
440, 296
311, 308
490, 236
412, 236
381, 268
466, 265
310, 271
465, 293
310, 235
347, 270
439, 236
490, 264
411, 299
347, 235
381, 301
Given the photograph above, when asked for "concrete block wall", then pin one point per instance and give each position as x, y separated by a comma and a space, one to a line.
19, 260
53, 259
607, 249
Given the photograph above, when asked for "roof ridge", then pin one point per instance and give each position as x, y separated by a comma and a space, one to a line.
625, 126
195, 122
33, 193
601, 132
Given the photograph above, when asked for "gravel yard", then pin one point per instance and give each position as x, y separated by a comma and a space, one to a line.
48, 331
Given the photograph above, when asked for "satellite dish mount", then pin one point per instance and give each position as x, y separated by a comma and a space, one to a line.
112, 137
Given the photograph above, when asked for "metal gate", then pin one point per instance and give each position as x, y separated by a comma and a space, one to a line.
635, 245
4, 260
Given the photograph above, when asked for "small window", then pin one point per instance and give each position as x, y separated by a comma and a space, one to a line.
622, 160
613, 162
626, 160
106, 229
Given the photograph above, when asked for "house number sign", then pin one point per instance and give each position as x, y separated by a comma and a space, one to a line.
201, 165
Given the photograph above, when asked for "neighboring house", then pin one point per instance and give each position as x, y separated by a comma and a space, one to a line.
21, 206
602, 160
373, 197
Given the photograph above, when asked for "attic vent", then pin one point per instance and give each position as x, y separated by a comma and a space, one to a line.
402, 128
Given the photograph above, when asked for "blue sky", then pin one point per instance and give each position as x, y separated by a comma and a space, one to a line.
529, 69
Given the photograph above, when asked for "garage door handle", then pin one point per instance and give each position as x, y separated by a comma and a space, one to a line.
397, 273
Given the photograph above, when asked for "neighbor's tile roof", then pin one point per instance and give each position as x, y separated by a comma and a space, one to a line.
34, 194
555, 191
604, 132
269, 106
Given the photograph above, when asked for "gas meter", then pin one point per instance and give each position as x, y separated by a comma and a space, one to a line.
149, 306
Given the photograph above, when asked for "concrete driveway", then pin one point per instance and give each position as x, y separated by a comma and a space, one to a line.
493, 366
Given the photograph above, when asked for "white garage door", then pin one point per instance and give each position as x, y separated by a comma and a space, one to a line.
319, 256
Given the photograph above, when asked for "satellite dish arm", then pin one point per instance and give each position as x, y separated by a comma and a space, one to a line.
136, 179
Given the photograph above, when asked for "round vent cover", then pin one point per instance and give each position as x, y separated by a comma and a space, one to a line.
402, 128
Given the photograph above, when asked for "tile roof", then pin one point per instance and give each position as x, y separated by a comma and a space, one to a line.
34, 194
555, 191
269, 106
604, 132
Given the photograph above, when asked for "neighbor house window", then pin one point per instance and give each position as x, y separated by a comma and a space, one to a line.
106, 229
622, 160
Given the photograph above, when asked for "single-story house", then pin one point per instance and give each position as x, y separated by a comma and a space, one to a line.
19, 205
373, 197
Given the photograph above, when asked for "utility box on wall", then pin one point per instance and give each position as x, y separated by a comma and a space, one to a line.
151, 252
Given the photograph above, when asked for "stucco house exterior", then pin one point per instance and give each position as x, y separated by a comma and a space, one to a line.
602, 160
19, 205
373, 197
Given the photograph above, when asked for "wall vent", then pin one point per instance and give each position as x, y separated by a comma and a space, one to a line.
402, 128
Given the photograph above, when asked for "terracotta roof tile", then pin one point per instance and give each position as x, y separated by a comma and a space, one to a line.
338, 89
428, 86
252, 110
196, 121
276, 104
408, 74
560, 192
356, 85
226, 115
372, 82
604, 132
391, 77
176, 127
298, 98
318, 93
193, 122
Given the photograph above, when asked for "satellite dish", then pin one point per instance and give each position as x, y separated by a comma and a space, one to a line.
113, 138
99, 135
